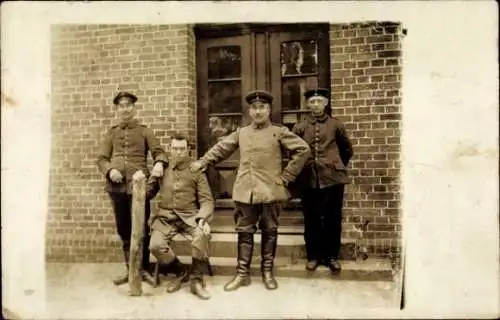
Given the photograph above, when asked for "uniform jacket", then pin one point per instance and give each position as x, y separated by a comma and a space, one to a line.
126, 148
331, 151
182, 195
260, 173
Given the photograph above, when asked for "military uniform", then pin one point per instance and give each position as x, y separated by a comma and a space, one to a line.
322, 182
260, 184
125, 148
185, 197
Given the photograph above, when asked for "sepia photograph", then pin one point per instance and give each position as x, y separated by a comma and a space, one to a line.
297, 131
225, 169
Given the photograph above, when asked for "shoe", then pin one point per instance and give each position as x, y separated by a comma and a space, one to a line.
334, 266
182, 275
268, 252
123, 278
312, 265
148, 278
245, 250
198, 289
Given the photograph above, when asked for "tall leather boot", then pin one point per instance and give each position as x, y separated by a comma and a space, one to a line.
245, 250
123, 278
181, 273
197, 282
268, 252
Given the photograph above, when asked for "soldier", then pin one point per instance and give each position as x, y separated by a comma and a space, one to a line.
123, 157
261, 183
322, 181
186, 206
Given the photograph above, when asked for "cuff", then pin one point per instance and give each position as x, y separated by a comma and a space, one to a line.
287, 176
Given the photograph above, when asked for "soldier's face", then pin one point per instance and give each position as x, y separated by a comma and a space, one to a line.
179, 150
259, 112
317, 104
126, 109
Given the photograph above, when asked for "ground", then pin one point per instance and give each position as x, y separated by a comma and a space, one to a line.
85, 291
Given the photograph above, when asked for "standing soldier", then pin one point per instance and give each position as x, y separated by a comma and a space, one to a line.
322, 181
260, 185
122, 157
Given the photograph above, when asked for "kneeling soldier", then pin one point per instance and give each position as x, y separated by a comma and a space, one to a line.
186, 206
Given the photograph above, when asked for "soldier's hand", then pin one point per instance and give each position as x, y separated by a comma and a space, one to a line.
198, 166
138, 175
157, 170
285, 181
204, 226
115, 176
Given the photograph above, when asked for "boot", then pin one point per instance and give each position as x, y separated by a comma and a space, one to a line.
268, 252
123, 278
245, 250
181, 273
197, 283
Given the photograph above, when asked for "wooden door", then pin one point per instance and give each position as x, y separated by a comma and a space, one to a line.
231, 62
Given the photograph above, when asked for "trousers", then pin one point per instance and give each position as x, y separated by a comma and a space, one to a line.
161, 240
122, 207
323, 222
248, 217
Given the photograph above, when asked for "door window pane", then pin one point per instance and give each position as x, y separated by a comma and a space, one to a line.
224, 62
293, 92
299, 57
221, 126
224, 97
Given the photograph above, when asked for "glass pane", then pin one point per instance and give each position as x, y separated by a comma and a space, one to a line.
290, 119
219, 127
299, 57
293, 89
224, 97
224, 62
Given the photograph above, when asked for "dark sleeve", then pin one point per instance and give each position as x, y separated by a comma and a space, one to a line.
154, 146
152, 187
105, 152
344, 144
298, 129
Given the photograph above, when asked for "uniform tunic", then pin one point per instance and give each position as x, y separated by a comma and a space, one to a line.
260, 174
331, 151
259, 187
125, 148
185, 197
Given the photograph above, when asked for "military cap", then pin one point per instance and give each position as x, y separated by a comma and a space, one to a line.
124, 94
320, 92
259, 95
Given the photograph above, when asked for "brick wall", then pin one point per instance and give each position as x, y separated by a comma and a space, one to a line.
89, 64
366, 82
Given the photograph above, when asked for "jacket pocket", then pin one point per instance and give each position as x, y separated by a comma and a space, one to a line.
336, 165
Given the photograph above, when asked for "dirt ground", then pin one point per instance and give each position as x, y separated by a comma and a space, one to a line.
85, 291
